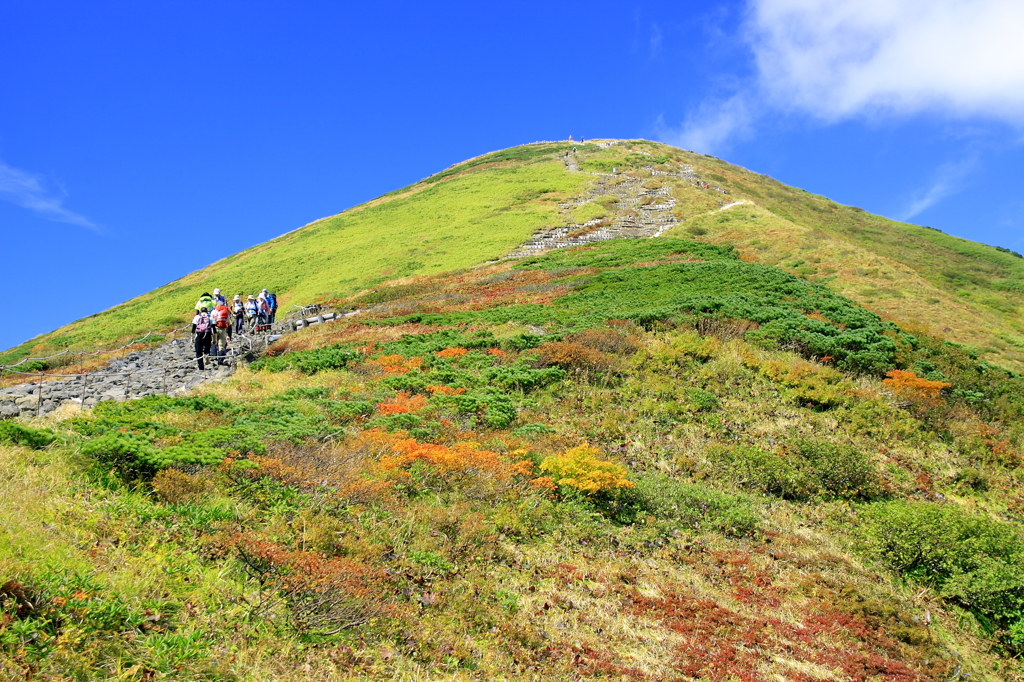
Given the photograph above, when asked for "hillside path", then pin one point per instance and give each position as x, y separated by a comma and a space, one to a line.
634, 211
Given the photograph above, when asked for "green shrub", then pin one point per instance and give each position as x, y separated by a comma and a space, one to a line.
697, 506
495, 408
127, 454
841, 471
971, 559
521, 377
700, 400
766, 472
310, 361
234, 439
16, 434
805, 470
133, 456
348, 410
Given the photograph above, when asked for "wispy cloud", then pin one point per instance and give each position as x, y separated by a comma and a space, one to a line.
949, 179
28, 190
655, 41
712, 128
835, 60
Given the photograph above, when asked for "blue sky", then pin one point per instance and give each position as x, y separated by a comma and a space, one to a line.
142, 141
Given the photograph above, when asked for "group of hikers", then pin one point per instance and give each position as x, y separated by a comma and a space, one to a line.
216, 320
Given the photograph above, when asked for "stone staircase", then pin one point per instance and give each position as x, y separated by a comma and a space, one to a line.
638, 211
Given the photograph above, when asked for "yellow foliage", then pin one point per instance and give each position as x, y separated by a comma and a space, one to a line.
580, 468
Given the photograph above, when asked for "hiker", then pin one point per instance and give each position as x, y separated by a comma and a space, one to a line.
263, 310
218, 298
221, 318
570, 140
202, 336
251, 312
238, 310
205, 301
272, 300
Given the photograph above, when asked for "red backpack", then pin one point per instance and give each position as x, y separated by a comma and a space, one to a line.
220, 316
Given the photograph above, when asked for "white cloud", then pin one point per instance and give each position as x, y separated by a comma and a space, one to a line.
841, 58
27, 190
713, 127
949, 179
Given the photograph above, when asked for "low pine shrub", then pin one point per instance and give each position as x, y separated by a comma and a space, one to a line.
17, 434
134, 456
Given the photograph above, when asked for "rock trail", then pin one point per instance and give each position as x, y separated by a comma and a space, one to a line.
167, 369
635, 211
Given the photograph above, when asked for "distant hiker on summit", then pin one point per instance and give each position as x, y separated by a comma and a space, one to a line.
202, 335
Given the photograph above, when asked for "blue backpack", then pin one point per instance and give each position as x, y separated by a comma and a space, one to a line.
272, 300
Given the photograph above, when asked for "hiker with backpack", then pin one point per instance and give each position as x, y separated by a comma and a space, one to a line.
263, 311
219, 298
238, 311
221, 320
272, 300
251, 313
202, 336
205, 301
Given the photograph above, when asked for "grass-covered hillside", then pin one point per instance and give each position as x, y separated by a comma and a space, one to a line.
636, 460
469, 214
482, 209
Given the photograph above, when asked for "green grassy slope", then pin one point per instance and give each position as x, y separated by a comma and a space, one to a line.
479, 210
485, 477
449, 221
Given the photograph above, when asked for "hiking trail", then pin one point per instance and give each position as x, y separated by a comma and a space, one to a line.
634, 211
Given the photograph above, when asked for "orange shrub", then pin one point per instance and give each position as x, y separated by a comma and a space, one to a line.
396, 364
496, 352
450, 353
908, 383
402, 403
573, 355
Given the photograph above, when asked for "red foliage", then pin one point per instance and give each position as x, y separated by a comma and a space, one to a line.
402, 403
723, 644
325, 595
